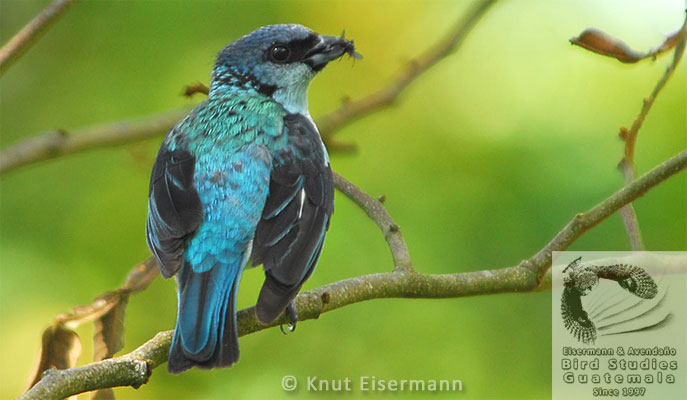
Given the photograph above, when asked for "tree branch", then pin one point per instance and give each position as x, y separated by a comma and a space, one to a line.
377, 212
56, 143
601, 43
16, 46
134, 369
582, 222
353, 110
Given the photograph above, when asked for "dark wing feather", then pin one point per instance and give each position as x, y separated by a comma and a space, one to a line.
290, 235
575, 317
174, 208
631, 278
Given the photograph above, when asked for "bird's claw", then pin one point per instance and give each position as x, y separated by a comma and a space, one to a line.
292, 314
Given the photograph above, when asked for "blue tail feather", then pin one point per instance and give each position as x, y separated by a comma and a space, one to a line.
206, 334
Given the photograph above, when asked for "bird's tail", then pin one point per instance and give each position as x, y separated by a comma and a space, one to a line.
206, 334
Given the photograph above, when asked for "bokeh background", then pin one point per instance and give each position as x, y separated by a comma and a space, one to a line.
482, 160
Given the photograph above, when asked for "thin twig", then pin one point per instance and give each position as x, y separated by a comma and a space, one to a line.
134, 369
16, 46
627, 164
630, 136
631, 223
377, 212
56, 143
350, 111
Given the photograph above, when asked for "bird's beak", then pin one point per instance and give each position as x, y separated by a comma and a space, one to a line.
329, 48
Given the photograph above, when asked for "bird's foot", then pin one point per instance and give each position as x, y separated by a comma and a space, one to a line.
292, 313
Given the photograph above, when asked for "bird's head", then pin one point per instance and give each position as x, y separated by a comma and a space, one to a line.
585, 279
278, 61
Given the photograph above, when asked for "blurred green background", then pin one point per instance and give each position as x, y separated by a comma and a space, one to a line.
482, 160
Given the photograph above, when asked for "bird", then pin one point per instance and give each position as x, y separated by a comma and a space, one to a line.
243, 180
580, 281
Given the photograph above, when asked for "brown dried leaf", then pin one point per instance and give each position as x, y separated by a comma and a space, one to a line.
60, 348
84, 313
196, 88
676, 40
141, 276
103, 394
108, 336
670, 42
602, 43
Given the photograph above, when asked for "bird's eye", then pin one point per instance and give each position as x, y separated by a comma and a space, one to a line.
279, 53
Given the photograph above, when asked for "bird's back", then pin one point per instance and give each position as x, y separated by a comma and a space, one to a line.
232, 138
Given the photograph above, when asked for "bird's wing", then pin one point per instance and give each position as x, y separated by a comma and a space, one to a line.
631, 278
290, 234
174, 208
574, 317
